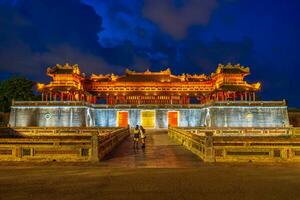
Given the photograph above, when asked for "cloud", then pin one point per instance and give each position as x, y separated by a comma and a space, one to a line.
38, 34
193, 55
209, 55
123, 21
175, 18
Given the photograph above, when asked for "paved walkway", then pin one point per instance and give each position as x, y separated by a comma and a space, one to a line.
127, 177
160, 151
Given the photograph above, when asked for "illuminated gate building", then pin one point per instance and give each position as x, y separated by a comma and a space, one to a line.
152, 99
226, 84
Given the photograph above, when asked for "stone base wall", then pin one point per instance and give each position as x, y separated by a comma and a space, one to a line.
220, 114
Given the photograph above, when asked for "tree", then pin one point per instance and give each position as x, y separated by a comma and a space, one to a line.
16, 88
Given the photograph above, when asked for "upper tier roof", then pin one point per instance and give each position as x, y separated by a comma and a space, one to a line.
232, 69
148, 76
151, 78
64, 69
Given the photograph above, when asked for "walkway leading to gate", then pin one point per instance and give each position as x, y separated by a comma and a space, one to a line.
160, 151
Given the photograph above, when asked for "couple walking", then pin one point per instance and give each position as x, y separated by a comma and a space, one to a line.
139, 132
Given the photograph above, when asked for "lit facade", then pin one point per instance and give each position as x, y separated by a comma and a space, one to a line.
215, 114
151, 99
226, 84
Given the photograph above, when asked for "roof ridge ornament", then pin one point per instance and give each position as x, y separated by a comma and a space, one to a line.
166, 71
148, 72
230, 66
128, 71
114, 77
65, 68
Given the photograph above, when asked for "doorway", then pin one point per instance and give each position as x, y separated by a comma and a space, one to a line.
122, 118
148, 118
173, 118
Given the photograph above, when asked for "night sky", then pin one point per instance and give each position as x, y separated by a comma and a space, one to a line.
189, 36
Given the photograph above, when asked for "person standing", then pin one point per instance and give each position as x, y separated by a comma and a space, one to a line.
136, 136
143, 136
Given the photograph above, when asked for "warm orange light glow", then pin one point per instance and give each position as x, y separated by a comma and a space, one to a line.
257, 85
148, 87
122, 118
173, 118
40, 86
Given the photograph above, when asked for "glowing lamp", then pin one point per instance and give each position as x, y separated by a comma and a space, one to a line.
257, 85
40, 86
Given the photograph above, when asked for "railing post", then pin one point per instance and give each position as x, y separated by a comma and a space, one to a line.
286, 154
209, 155
95, 143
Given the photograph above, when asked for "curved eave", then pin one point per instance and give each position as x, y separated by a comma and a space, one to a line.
59, 88
237, 88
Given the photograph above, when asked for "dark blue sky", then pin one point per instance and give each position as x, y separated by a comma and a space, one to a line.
189, 36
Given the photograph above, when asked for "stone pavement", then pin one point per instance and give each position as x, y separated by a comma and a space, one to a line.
214, 181
160, 152
164, 170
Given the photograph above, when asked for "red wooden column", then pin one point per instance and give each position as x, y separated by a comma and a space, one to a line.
110, 100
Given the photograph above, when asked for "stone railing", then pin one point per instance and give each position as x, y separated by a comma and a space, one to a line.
189, 106
247, 103
46, 149
54, 131
196, 106
59, 144
50, 103
296, 131
107, 142
195, 143
241, 131
240, 148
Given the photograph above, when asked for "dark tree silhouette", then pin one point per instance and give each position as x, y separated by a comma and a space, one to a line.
16, 88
